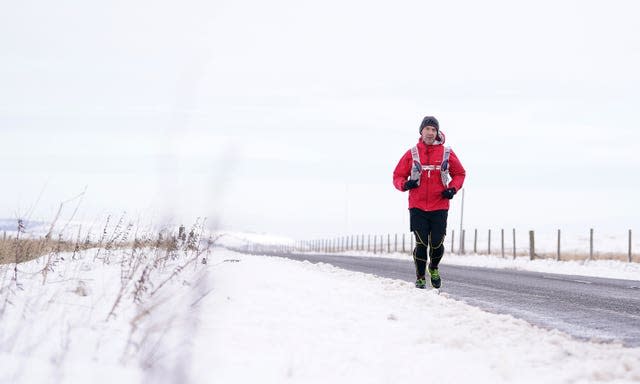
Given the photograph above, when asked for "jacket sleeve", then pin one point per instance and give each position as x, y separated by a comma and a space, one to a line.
402, 171
456, 171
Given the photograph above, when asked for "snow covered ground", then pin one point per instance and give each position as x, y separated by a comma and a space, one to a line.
247, 319
279, 320
100, 316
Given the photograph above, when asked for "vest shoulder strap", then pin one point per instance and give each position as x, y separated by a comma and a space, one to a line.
416, 166
414, 153
444, 167
445, 157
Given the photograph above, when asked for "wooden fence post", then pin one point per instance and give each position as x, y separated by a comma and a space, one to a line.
453, 235
475, 240
591, 244
411, 244
558, 254
502, 241
489, 244
462, 242
629, 245
514, 243
395, 244
532, 247
403, 248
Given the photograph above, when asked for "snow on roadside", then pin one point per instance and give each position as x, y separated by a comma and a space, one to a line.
272, 320
613, 269
99, 317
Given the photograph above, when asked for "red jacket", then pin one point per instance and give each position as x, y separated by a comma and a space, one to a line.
428, 195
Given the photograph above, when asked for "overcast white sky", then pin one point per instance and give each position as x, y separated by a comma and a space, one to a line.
288, 117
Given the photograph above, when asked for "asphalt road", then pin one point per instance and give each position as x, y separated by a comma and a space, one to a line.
606, 310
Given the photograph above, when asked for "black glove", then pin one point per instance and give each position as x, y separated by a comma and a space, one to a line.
448, 193
410, 184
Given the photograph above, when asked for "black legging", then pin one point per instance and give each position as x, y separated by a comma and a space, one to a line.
429, 228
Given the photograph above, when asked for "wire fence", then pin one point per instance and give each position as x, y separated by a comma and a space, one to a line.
557, 245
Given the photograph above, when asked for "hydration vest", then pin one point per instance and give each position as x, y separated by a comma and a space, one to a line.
417, 168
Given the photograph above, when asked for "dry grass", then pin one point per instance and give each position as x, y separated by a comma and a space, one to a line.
163, 277
585, 256
568, 256
16, 250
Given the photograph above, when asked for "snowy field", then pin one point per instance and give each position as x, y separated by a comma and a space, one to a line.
246, 319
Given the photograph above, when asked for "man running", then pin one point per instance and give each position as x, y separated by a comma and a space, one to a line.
432, 174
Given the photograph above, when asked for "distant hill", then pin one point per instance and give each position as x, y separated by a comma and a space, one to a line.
11, 225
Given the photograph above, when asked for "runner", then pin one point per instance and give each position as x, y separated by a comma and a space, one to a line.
432, 173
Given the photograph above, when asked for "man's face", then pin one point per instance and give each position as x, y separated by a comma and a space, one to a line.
429, 134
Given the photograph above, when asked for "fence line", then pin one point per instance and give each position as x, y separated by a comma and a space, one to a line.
375, 243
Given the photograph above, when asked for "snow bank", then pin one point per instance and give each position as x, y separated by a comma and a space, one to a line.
278, 320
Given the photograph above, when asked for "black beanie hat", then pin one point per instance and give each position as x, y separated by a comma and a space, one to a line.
429, 120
